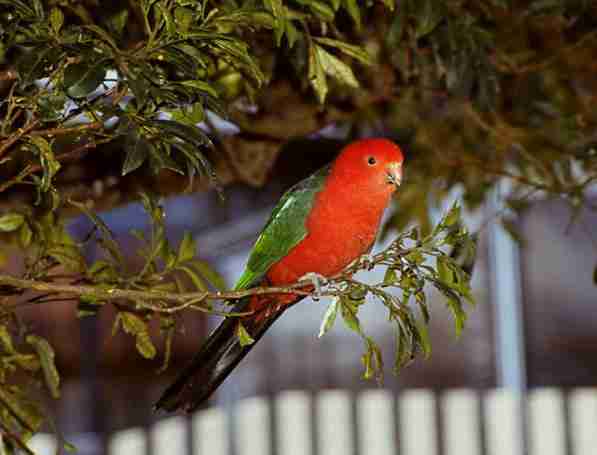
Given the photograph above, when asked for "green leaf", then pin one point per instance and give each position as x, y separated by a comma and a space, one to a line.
424, 340
56, 19
329, 317
119, 20
353, 10
25, 235
277, 9
69, 256
390, 277
108, 242
322, 10
210, 274
243, 336
49, 163
46, 356
186, 248
201, 85
452, 217
134, 325
137, 150
31, 64
335, 67
189, 115
316, 75
353, 51
349, 314
27, 419
428, 16
390, 4
80, 79
6, 340
39, 9
445, 274
194, 276
11, 222
104, 35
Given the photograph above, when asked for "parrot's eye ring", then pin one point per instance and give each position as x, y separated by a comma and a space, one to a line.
372, 161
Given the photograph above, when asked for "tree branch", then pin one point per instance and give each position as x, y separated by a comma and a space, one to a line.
188, 298
6, 144
192, 299
62, 131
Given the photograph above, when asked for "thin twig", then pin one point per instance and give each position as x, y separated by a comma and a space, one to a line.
6, 144
64, 131
65, 157
181, 300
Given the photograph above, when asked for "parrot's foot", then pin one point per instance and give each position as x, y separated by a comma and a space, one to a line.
318, 282
367, 261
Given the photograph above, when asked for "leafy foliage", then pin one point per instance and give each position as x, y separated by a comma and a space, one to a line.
409, 264
479, 93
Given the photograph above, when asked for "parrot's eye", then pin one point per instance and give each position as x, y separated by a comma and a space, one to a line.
372, 161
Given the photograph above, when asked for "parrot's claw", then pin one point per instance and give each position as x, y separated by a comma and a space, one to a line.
367, 261
318, 282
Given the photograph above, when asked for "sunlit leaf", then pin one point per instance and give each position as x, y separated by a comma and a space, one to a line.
48, 365
186, 248
329, 317
353, 10
194, 276
317, 75
243, 336
56, 19
210, 274
356, 52
134, 325
335, 67
11, 222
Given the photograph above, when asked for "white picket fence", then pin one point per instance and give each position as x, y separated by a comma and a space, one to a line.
336, 422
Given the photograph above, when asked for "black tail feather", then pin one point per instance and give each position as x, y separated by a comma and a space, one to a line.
218, 356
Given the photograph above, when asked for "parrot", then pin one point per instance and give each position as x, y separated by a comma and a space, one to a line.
320, 226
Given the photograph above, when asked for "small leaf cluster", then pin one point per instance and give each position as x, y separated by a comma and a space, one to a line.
51, 256
413, 264
29, 358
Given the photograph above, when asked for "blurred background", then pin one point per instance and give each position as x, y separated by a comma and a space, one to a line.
530, 329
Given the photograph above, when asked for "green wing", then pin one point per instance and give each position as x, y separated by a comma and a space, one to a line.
284, 229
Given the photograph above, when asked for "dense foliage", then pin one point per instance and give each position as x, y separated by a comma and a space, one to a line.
479, 92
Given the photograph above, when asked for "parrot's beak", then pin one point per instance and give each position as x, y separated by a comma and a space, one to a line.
394, 172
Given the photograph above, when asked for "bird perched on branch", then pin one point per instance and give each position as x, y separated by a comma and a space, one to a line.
320, 226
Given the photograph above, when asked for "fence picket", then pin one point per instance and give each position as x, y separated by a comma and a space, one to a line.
170, 436
418, 423
546, 422
210, 432
462, 433
583, 416
334, 423
253, 427
503, 423
294, 430
132, 441
376, 423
